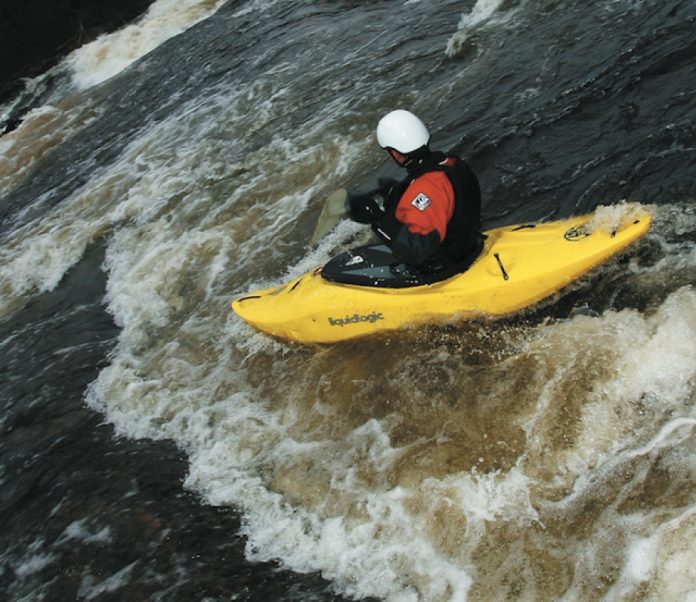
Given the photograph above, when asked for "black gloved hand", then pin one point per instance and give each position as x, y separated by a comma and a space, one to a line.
364, 208
385, 185
390, 190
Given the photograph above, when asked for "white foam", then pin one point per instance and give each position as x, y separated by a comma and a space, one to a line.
256, 6
382, 550
675, 571
610, 218
27, 559
482, 11
485, 13
38, 262
111, 53
92, 588
661, 360
653, 361
664, 559
387, 550
641, 559
32, 563
304, 494
79, 530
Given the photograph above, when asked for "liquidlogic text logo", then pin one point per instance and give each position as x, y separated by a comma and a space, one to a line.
356, 319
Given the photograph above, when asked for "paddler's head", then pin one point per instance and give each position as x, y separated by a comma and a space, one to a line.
403, 136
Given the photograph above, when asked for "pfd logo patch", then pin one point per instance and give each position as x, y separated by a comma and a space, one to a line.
421, 202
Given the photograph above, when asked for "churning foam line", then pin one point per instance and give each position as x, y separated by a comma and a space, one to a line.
663, 437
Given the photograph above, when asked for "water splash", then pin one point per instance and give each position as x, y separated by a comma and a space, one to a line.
110, 54
485, 13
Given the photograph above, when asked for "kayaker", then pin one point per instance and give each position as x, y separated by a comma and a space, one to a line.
431, 220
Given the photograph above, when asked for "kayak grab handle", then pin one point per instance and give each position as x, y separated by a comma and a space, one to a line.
501, 266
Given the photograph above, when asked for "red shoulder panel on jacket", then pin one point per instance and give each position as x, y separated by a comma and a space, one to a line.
427, 204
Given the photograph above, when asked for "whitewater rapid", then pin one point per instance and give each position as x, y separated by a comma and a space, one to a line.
543, 456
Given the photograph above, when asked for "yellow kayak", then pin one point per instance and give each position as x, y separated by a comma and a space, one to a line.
519, 266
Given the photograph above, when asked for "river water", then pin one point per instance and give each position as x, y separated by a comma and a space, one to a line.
154, 447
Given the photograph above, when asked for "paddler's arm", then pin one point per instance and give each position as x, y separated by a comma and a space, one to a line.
369, 207
363, 207
410, 247
418, 224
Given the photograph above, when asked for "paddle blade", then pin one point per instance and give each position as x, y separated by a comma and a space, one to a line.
335, 208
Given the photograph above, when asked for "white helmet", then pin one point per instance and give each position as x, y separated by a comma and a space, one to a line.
402, 131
